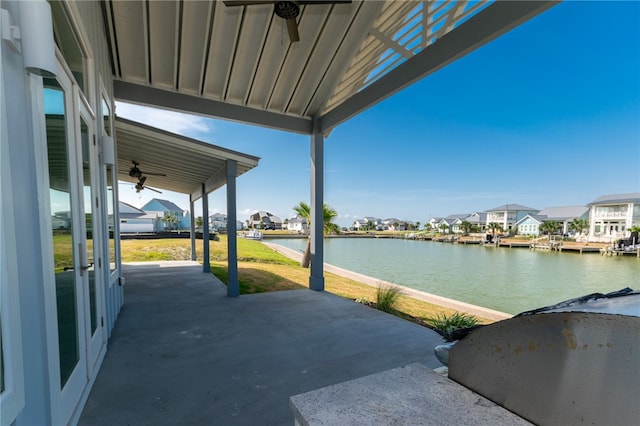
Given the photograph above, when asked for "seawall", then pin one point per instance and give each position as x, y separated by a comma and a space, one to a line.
467, 308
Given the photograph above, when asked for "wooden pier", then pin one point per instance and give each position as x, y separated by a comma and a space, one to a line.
514, 244
580, 248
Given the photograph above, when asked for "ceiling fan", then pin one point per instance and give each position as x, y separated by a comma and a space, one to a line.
140, 185
135, 172
287, 10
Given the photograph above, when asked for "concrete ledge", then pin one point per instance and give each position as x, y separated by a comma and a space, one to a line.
410, 395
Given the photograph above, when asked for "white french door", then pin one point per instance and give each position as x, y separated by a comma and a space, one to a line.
72, 161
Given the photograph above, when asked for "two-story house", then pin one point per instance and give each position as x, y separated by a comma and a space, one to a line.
610, 216
164, 208
507, 215
264, 220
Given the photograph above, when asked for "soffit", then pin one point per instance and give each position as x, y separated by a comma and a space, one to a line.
237, 62
187, 163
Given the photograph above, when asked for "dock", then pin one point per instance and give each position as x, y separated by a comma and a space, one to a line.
579, 248
514, 244
628, 251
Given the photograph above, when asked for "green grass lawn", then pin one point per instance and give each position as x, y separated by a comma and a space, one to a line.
261, 269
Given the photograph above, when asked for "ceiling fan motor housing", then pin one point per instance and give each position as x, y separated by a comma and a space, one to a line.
287, 9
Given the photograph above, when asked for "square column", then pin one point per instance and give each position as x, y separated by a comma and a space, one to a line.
206, 266
192, 228
233, 285
316, 280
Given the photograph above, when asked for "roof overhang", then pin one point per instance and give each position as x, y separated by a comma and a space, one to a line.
190, 166
237, 63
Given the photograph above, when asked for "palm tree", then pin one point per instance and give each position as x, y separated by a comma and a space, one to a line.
443, 227
418, 225
493, 227
328, 214
466, 227
549, 227
199, 222
170, 219
578, 225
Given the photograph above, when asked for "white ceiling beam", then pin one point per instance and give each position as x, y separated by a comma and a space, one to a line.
493, 21
149, 96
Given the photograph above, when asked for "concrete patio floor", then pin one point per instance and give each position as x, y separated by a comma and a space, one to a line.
184, 353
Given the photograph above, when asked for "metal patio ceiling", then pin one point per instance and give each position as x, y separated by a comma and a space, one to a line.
237, 62
187, 163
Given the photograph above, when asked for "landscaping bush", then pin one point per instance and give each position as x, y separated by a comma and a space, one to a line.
386, 298
448, 326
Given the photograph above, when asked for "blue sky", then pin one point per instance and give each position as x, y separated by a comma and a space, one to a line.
546, 115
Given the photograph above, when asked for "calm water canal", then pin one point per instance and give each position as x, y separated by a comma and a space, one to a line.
508, 280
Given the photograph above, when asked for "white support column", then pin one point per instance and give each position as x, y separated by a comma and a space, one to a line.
316, 280
192, 228
233, 286
206, 266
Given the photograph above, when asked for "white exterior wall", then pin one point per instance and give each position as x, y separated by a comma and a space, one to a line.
529, 227
136, 226
609, 222
31, 397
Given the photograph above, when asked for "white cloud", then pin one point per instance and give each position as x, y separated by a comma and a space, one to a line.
176, 122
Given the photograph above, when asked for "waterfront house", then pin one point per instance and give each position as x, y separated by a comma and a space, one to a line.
389, 224
507, 215
454, 221
478, 220
63, 64
563, 216
264, 220
359, 223
134, 220
218, 221
372, 222
445, 225
368, 222
298, 224
611, 216
434, 221
165, 208
530, 225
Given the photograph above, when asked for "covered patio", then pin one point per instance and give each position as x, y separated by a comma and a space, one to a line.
188, 166
184, 353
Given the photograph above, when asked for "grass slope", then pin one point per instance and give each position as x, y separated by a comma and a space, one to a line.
261, 269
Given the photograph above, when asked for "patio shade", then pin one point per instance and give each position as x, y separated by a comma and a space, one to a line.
237, 63
187, 163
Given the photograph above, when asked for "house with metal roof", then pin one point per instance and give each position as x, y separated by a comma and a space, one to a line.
298, 224
478, 220
611, 216
134, 220
162, 208
507, 215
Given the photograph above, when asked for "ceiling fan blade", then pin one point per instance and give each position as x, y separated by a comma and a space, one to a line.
246, 3
143, 179
154, 190
292, 27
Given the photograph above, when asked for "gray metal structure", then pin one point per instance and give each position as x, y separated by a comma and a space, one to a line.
578, 364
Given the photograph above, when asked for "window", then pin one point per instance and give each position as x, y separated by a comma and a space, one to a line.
68, 44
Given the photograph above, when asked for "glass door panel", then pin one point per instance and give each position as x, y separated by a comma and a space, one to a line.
89, 222
62, 228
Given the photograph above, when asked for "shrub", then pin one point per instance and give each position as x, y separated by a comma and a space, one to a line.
386, 298
447, 326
